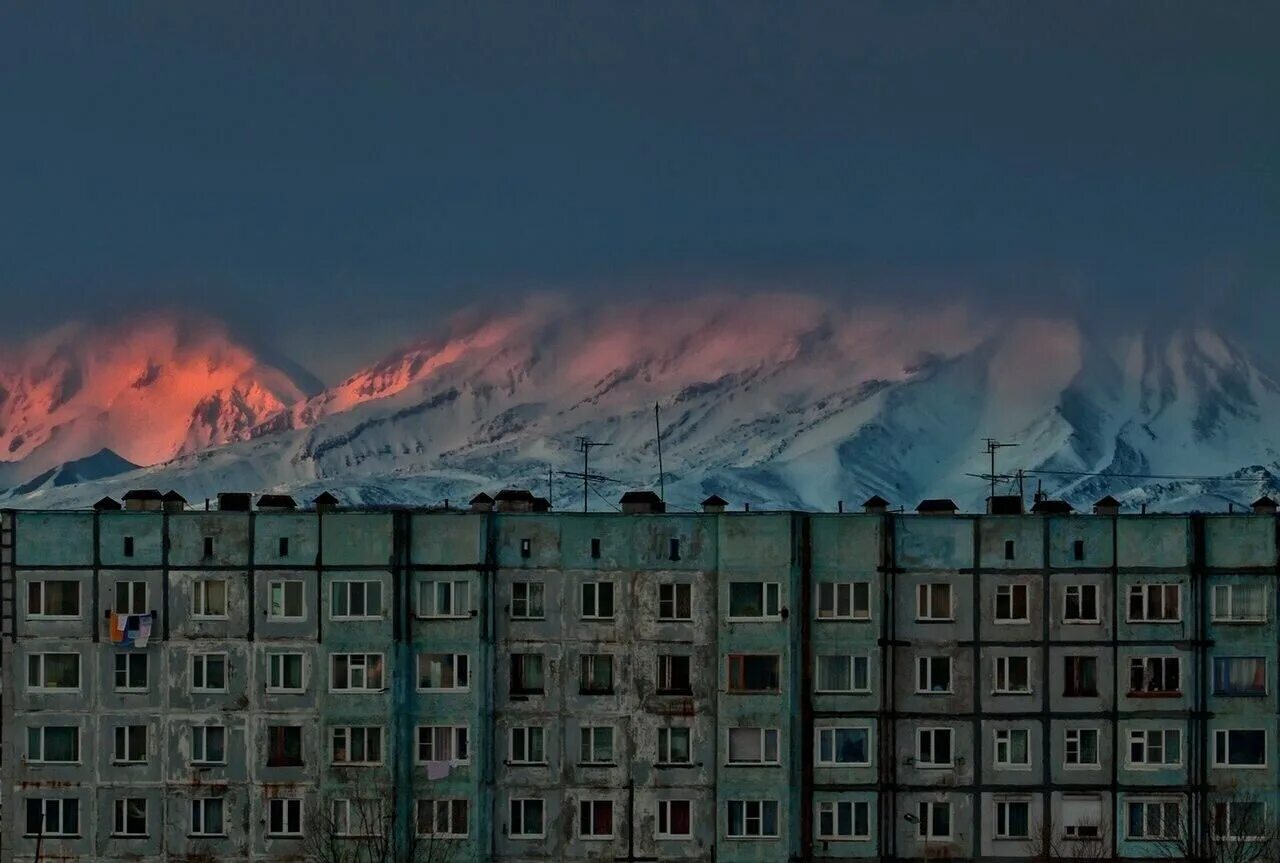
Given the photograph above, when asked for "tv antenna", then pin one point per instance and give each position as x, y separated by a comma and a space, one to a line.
585, 445
657, 424
992, 445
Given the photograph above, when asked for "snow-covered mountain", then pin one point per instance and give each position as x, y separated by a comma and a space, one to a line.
775, 399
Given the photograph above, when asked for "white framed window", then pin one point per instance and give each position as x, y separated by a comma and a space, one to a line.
675, 674
1011, 604
849, 600
284, 816
355, 600
843, 747
55, 599
208, 672
1080, 604
209, 598
753, 746
933, 819
526, 820
356, 745
1243, 602
1155, 747
527, 745
933, 601
1159, 818
208, 816
355, 672
358, 816
130, 745
1013, 675
1159, 675
752, 819
285, 672
527, 674
596, 745
755, 600
596, 674
755, 672
450, 743
1013, 748
53, 672
1081, 816
1240, 747
675, 819
449, 671
53, 744
1240, 820
129, 817
595, 819
675, 601
597, 600
208, 744
933, 675
527, 600
130, 672
286, 600
844, 819
675, 745
444, 598
1155, 603
934, 748
843, 674
443, 819
52, 816
1013, 819
1080, 748
131, 597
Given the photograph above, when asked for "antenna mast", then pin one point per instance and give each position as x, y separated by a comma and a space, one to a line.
585, 445
662, 482
992, 446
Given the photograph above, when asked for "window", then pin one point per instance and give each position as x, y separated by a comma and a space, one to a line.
208, 744
673, 549
843, 674
130, 745
1240, 603
933, 602
1154, 819
209, 672
595, 549
443, 671
285, 600
527, 745
933, 748
284, 746
1077, 550
675, 819
1080, 604
284, 816
1239, 675
844, 601
1008, 549
128, 546
1155, 747
526, 548
209, 598
131, 597
1013, 819
674, 675
753, 746
356, 600
1080, 676
850, 746
1013, 674
596, 676
131, 672
1155, 603
444, 743
526, 818
1081, 816
356, 672
1240, 819
357, 744
595, 819
53, 744
844, 819
444, 598
753, 819
675, 602
597, 600
597, 745
53, 671
1240, 747
933, 674
129, 817
1080, 747
933, 819
53, 817
208, 546
207, 816
1011, 603
527, 676
1154, 675
526, 600
282, 547
443, 818
674, 746
360, 817
754, 600
53, 599
284, 672
753, 673
1013, 748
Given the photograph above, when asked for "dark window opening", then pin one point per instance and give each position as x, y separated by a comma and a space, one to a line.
753, 673
1078, 549
208, 546
526, 547
128, 546
284, 746
674, 552
595, 548
1008, 549
284, 546
674, 675
1080, 675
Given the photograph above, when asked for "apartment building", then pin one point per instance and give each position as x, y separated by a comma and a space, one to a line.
512, 684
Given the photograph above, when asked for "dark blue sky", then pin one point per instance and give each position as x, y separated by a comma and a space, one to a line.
313, 171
